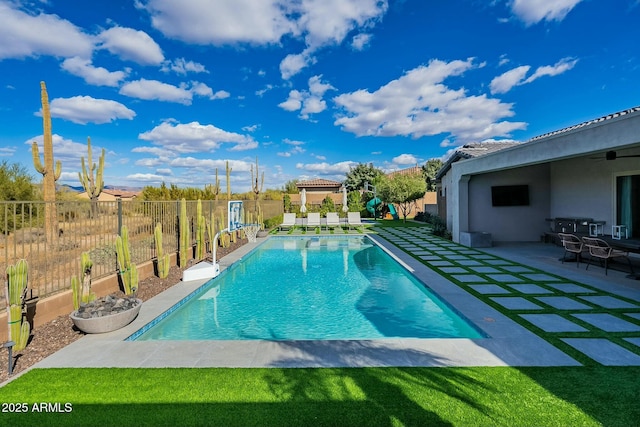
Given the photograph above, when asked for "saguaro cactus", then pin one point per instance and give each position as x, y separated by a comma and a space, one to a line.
128, 271
163, 259
19, 328
92, 185
49, 174
185, 238
83, 294
228, 181
200, 232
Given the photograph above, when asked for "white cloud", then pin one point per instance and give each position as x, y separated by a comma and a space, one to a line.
517, 76
320, 23
420, 104
405, 159
33, 35
7, 151
156, 90
194, 137
360, 41
504, 82
85, 109
534, 11
67, 151
96, 76
182, 66
131, 45
308, 102
296, 148
325, 168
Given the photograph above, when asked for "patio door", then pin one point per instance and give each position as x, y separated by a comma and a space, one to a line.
628, 203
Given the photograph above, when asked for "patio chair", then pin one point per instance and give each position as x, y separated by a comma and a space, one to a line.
572, 244
288, 221
313, 220
600, 249
353, 219
333, 220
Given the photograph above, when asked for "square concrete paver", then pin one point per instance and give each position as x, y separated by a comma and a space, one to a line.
609, 302
634, 341
441, 263
517, 269
485, 270
570, 288
468, 262
516, 303
604, 351
541, 277
429, 257
504, 278
553, 323
451, 270
489, 289
469, 278
634, 315
527, 288
564, 303
607, 322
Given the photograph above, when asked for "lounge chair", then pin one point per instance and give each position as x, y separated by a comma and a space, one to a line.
572, 244
600, 249
353, 219
288, 222
333, 220
313, 220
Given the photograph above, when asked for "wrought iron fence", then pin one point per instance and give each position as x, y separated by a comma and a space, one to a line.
53, 253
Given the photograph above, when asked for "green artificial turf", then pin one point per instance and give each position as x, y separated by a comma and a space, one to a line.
499, 396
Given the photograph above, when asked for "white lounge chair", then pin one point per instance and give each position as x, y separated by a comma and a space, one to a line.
313, 220
333, 220
288, 221
353, 218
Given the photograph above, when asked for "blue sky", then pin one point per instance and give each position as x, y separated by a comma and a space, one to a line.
174, 89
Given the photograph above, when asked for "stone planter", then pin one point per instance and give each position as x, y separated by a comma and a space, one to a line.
98, 324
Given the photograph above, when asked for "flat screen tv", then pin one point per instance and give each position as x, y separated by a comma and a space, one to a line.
510, 195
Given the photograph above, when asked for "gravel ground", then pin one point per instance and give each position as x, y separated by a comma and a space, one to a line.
60, 332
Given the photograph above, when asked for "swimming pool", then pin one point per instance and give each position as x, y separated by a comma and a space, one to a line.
311, 288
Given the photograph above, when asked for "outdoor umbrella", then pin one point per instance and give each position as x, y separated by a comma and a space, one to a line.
345, 207
303, 201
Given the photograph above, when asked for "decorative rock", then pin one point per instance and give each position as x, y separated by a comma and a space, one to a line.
106, 314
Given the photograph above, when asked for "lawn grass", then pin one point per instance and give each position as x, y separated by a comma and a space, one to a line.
497, 396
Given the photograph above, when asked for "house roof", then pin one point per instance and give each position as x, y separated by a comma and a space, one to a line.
472, 150
409, 171
318, 183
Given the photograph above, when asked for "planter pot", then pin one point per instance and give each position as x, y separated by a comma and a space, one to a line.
111, 322
263, 233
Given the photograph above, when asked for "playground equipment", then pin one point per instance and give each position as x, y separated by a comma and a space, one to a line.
371, 207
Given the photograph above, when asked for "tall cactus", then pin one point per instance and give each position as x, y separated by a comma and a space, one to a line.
16, 293
185, 238
128, 271
92, 185
163, 259
216, 187
49, 174
200, 232
228, 180
83, 294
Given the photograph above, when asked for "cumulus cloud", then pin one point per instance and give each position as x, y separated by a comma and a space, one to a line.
325, 168
67, 151
33, 35
518, 76
405, 159
181, 66
296, 148
156, 90
533, 11
308, 101
319, 23
360, 41
131, 45
97, 76
420, 103
85, 109
194, 137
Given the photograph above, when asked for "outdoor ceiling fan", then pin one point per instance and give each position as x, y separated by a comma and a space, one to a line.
612, 155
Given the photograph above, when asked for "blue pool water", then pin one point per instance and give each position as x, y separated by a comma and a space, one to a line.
311, 288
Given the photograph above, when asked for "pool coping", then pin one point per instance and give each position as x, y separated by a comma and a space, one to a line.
507, 344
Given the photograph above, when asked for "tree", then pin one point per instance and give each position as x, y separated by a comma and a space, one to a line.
15, 183
358, 175
291, 187
402, 190
429, 171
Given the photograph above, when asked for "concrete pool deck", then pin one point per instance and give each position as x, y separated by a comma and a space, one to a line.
508, 343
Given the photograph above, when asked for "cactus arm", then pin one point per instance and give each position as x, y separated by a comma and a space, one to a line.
37, 164
128, 271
